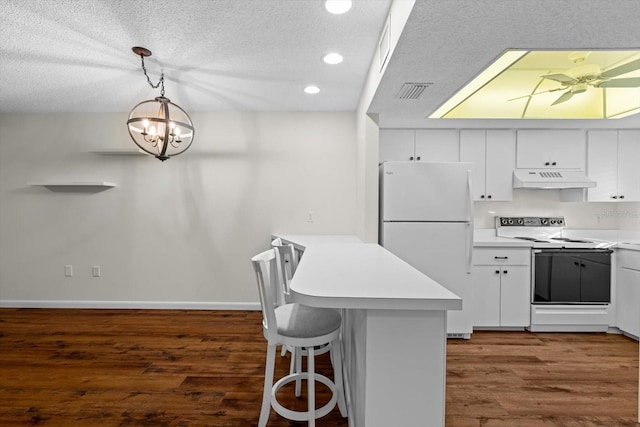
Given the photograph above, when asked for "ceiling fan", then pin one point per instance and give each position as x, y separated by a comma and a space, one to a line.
578, 79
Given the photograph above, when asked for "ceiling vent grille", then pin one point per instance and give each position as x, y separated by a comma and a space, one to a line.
412, 90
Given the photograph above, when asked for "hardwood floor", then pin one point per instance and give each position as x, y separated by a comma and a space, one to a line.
204, 368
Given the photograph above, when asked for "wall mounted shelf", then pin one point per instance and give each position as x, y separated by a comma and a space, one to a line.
120, 152
75, 186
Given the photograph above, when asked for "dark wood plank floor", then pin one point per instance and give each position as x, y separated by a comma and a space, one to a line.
205, 368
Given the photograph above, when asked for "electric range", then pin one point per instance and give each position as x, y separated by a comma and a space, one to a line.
570, 278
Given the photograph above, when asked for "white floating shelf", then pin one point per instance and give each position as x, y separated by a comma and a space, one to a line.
120, 152
77, 186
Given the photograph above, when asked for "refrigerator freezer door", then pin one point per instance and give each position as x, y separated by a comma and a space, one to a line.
423, 191
442, 252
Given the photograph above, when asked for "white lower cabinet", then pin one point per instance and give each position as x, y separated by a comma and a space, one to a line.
628, 291
501, 287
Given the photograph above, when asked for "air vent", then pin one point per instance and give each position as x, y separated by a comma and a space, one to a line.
412, 90
551, 174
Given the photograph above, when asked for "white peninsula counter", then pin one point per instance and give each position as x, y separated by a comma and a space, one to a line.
394, 328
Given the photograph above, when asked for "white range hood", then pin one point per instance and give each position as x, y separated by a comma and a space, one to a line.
535, 178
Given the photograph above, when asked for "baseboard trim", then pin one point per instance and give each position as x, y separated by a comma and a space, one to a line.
146, 305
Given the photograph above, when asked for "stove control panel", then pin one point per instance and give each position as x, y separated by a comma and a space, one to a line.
529, 221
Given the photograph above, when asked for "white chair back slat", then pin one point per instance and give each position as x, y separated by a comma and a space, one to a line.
265, 269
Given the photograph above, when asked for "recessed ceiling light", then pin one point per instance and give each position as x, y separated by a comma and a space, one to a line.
337, 7
332, 58
312, 90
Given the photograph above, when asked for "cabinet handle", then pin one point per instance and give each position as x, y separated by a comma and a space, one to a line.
489, 196
411, 158
546, 163
418, 158
505, 271
614, 197
497, 271
576, 263
500, 257
622, 197
553, 164
482, 196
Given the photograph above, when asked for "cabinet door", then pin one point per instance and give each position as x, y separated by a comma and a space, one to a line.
629, 165
551, 148
396, 144
486, 296
628, 292
472, 150
602, 165
437, 145
515, 296
500, 162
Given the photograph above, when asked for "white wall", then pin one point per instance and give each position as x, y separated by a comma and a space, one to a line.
179, 231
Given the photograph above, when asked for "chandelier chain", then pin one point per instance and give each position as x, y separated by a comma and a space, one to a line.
160, 82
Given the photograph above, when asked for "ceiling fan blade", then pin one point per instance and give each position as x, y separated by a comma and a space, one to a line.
563, 98
622, 69
562, 78
632, 82
538, 93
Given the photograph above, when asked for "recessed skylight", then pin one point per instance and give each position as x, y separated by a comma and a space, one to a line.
332, 58
337, 7
521, 84
312, 90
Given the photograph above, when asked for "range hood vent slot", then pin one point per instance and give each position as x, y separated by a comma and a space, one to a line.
552, 179
412, 90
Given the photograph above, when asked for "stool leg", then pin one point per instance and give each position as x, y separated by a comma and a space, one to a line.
311, 386
268, 385
336, 360
298, 354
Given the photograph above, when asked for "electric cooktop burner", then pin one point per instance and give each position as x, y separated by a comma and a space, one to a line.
542, 232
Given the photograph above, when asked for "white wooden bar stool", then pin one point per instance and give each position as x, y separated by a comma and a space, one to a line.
286, 264
298, 326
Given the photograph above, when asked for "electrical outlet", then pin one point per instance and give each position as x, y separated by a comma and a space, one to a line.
95, 271
68, 270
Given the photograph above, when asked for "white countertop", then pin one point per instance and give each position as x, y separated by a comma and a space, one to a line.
487, 237
345, 273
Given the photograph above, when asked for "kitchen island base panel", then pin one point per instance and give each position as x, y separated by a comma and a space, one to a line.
395, 363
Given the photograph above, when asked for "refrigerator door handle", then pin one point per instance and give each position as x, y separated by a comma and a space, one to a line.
470, 225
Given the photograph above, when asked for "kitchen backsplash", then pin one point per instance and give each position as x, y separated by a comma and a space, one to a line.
584, 215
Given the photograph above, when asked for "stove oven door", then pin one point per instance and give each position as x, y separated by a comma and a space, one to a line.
572, 276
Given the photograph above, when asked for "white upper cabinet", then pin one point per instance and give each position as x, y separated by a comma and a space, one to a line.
550, 148
427, 145
492, 153
397, 144
437, 145
614, 163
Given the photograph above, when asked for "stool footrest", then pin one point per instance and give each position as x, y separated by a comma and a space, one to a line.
303, 415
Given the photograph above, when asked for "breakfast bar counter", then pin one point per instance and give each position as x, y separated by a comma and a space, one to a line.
394, 328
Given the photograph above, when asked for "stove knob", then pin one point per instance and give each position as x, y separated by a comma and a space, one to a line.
510, 221
560, 221
544, 221
503, 221
553, 221
520, 221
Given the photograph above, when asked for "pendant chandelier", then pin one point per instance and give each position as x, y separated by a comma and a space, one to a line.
158, 126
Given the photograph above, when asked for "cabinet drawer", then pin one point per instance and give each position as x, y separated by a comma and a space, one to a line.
628, 259
502, 256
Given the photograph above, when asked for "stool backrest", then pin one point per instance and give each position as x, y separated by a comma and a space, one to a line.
287, 262
264, 265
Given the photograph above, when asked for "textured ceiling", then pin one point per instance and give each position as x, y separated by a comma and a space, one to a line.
75, 55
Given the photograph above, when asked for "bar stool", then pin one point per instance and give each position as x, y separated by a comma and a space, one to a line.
298, 326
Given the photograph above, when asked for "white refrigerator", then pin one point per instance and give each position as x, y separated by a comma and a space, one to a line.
426, 219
